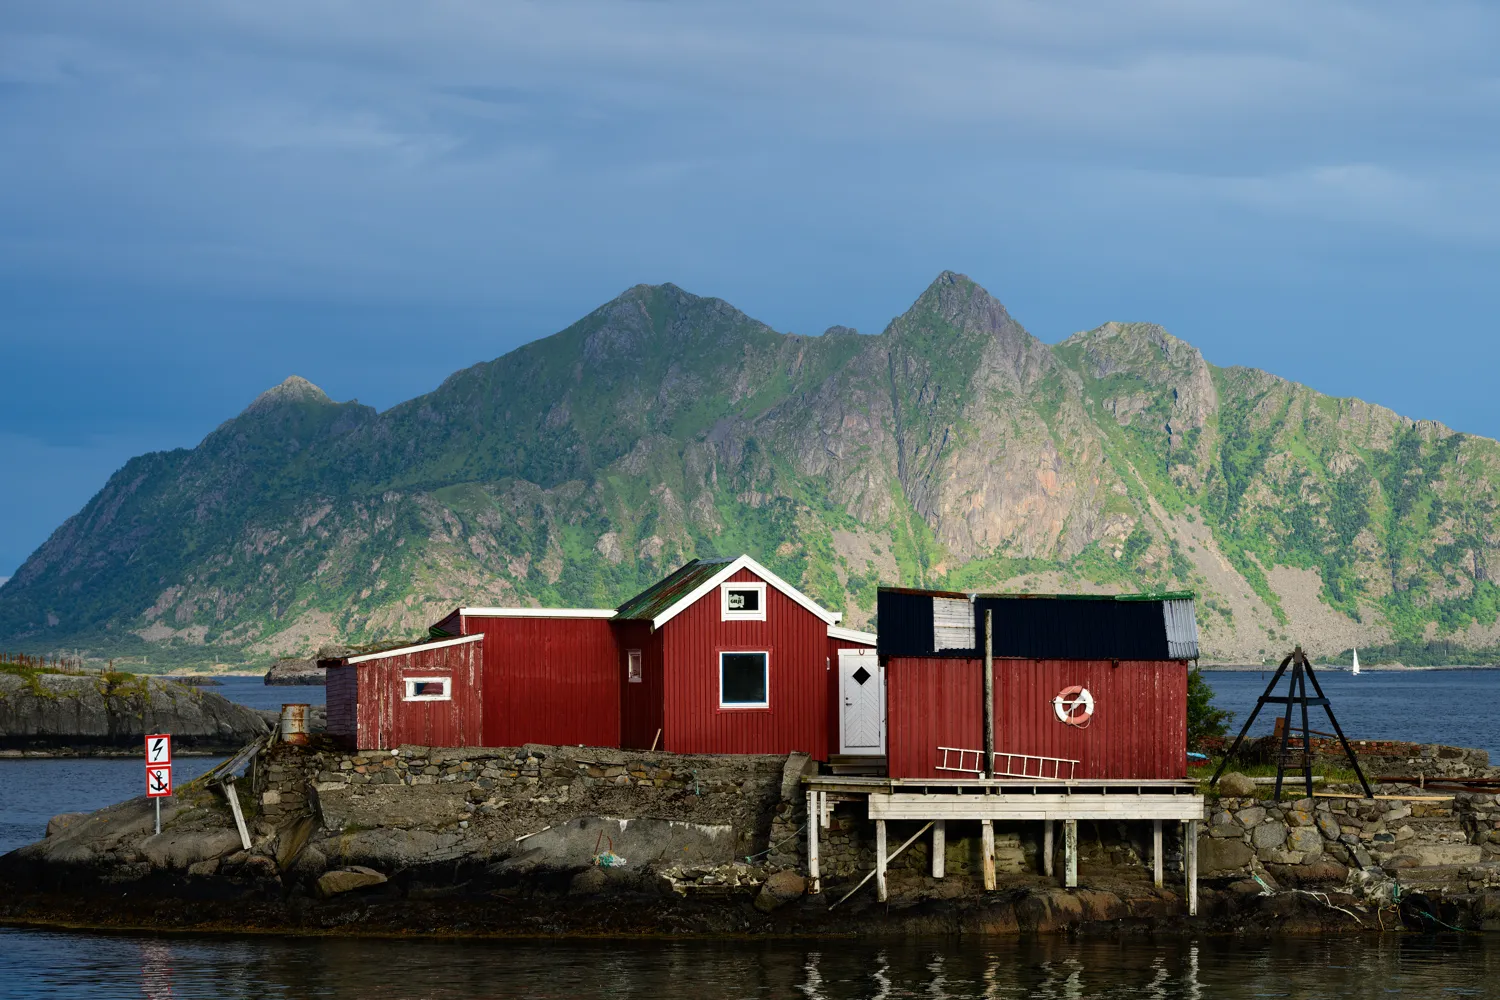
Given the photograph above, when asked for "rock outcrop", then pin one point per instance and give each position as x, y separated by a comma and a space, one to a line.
102, 713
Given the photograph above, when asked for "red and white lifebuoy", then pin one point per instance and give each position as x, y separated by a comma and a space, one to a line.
1074, 706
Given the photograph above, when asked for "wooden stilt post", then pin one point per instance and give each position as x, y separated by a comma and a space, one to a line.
987, 851
1070, 853
939, 848
1156, 858
1047, 847
814, 823
1190, 857
880, 860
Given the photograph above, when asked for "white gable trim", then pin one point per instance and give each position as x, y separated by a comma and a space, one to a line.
851, 635
419, 647
745, 562
537, 612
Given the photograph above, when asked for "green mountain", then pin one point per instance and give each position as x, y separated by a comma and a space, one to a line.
953, 450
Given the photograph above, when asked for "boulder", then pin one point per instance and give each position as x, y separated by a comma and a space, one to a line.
1328, 826
1305, 840
1236, 785
56, 823
1253, 816
1268, 835
778, 889
182, 850
1217, 855
1433, 855
347, 879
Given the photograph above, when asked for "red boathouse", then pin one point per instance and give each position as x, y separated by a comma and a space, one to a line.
1093, 688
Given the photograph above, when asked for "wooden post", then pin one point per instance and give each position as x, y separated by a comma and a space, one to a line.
1070, 853
939, 847
1047, 848
987, 851
989, 700
1156, 858
234, 807
880, 860
1190, 856
814, 875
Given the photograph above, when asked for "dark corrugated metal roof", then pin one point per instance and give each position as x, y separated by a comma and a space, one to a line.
1034, 626
450, 627
658, 597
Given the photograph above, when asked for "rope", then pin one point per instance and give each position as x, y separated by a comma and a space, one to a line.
750, 858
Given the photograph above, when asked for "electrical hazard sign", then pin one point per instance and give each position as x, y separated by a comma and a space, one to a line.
159, 749
158, 780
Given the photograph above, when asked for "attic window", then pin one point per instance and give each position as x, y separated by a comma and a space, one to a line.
428, 689
952, 623
744, 680
633, 666
743, 602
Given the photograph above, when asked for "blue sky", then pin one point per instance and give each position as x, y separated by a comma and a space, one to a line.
202, 197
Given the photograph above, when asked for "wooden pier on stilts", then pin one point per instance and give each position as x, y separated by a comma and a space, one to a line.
936, 802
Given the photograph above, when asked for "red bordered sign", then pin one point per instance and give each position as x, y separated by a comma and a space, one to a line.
159, 749
158, 780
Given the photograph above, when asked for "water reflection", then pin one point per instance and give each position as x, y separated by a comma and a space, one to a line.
37, 965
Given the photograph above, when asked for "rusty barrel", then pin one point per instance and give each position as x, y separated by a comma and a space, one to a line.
294, 724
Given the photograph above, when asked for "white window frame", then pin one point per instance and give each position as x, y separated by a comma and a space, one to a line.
738, 705
633, 673
409, 689
758, 615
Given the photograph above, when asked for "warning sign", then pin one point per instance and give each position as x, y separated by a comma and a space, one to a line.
158, 780
159, 749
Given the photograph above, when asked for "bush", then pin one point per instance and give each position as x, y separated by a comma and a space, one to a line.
1203, 719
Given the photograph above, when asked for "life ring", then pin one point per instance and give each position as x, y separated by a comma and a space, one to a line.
1074, 706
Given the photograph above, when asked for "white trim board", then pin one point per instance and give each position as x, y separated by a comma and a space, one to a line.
417, 648
852, 635
537, 612
745, 562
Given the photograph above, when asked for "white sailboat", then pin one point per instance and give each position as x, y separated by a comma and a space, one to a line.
1355, 669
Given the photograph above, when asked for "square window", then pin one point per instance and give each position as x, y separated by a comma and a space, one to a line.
633, 666
744, 680
428, 689
743, 601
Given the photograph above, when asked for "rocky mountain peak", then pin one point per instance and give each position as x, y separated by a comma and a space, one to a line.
294, 389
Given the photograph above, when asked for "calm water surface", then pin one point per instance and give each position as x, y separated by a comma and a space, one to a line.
1424, 706
1414, 706
37, 965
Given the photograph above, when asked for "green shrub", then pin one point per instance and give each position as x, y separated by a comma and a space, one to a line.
1203, 719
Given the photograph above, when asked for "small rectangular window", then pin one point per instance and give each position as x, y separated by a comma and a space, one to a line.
633, 666
744, 680
743, 601
428, 689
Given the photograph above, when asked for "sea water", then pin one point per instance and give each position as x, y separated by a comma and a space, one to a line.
1425, 706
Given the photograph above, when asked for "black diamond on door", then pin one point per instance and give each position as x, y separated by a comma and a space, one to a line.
861, 675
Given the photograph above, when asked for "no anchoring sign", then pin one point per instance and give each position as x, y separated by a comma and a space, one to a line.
158, 780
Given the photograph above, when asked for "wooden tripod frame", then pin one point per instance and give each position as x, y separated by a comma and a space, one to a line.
1296, 694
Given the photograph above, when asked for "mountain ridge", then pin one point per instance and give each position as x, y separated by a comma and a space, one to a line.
953, 448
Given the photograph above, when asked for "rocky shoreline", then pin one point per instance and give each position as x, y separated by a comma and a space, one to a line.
549, 841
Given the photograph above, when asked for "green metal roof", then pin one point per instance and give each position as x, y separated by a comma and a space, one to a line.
657, 598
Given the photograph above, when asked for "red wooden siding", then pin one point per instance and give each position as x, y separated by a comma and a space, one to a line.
549, 680
640, 704
1138, 729
384, 719
342, 692
797, 641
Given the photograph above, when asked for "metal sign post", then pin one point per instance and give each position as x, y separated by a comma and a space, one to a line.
158, 770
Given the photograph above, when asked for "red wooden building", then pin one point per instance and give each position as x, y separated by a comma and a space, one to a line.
1088, 687
723, 656
552, 675
428, 695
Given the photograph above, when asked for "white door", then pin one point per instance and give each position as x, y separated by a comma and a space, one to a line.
862, 691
